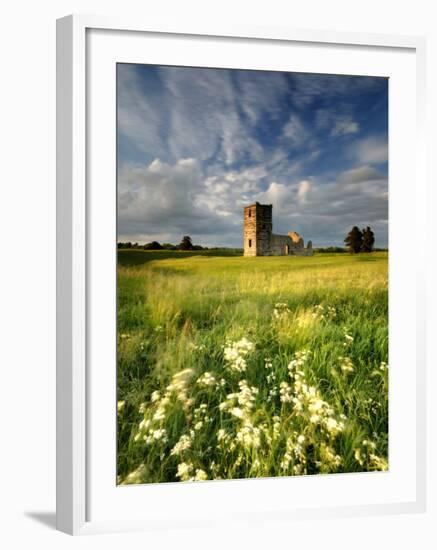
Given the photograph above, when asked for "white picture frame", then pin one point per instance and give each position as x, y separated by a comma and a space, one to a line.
74, 278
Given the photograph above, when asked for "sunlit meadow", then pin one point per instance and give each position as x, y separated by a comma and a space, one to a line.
233, 367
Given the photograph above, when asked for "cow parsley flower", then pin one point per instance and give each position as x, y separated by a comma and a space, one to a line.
183, 444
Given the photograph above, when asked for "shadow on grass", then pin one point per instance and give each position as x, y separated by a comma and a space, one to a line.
128, 257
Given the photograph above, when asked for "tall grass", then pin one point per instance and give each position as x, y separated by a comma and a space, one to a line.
232, 367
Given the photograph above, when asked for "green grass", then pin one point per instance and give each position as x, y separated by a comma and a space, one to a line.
258, 415
130, 257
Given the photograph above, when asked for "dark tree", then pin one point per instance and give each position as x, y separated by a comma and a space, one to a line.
368, 240
354, 240
186, 243
154, 245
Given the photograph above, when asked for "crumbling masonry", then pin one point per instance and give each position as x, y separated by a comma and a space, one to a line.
259, 239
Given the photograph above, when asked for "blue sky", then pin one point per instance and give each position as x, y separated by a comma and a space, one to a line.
196, 145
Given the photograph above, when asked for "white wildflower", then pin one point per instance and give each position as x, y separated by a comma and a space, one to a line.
235, 353
155, 396
207, 379
200, 475
183, 444
184, 471
236, 411
159, 434
285, 392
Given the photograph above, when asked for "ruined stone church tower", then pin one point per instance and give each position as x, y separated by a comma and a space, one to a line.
259, 239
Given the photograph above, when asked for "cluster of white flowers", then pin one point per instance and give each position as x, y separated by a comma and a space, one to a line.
329, 459
348, 339
136, 476
249, 436
299, 360
150, 434
235, 353
246, 432
239, 405
322, 312
156, 396
207, 379
200, 418
222, 435
281, 311
295, 453
308, 402
178, 389
366, 457
183, 444
245, 398
320, 425
285, 392
178, 386
186, 470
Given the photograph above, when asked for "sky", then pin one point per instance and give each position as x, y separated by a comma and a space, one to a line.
195, 145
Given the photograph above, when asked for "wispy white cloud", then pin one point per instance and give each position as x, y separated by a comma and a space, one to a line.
336, 123
360, 174
345, 125
140, 116
294, 131
373, 150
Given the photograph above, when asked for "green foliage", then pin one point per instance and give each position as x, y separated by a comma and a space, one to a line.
154, 245
368, 240
186, 243
360, 241
233, 367
354, 240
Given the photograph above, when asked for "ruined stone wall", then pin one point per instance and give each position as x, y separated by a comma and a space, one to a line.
284, 245
296, 238
258, 239
249, 231
257, 229
263, 228
280, 245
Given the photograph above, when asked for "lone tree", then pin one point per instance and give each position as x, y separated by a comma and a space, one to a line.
154, 245
368, 240
186, 243
354, 240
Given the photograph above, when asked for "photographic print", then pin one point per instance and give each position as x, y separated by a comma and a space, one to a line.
252, 276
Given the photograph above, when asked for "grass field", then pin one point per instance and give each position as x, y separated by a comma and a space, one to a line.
233, 367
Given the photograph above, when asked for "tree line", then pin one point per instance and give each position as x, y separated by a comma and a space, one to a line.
185, 244
357, 240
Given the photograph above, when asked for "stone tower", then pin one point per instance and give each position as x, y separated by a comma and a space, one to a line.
257, 229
